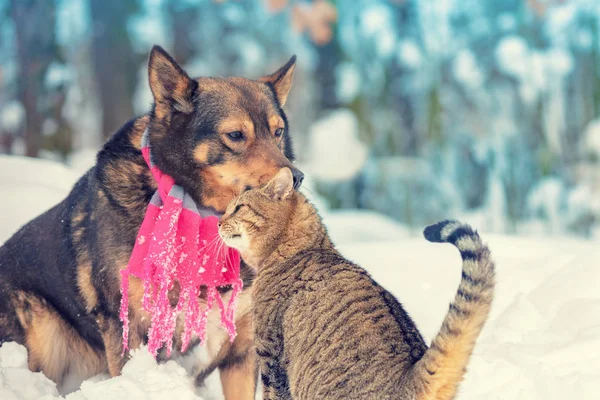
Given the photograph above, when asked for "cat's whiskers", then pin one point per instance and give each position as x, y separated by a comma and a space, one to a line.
213, 243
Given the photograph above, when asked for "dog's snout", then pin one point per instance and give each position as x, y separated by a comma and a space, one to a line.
298, 177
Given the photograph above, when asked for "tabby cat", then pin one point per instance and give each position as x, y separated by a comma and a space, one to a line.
324, 329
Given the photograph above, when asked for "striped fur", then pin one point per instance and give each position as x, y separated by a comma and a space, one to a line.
444, 364
324, 329
60, 274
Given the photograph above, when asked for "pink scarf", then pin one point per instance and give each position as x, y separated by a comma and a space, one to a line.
176, 243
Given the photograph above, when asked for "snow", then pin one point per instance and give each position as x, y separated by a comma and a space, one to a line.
16, 381
80, 111
149, 28
538, 72
559, 61
435, 25
348, 226
516, 59
409, 54
559, 20
12, 116
386, 43
234, 14
348, 76
512, 53
584, 39
406, 188
376, 23
506, 22
543, 337
30, 186
375, 19
335, 148
142, 96
252, 55
83, 159
75, 21
591, 138
467, 70
57, 75
141, 378
542, 340
546, 198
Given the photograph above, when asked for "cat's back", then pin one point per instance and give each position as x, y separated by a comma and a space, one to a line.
343, 332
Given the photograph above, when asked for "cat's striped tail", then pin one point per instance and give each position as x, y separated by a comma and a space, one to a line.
443, 366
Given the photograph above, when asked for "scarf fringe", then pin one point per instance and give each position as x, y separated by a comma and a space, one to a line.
175, 245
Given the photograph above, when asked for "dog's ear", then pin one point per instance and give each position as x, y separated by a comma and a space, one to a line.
281, 81
281, 185
169, 83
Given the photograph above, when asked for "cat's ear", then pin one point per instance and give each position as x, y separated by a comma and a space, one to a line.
281, 80
170, 85
281, 186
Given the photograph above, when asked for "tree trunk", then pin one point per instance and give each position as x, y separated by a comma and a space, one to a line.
114, 61
182, 21
36, 49
329, 57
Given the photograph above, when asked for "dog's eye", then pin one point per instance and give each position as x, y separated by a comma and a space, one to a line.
236, 136
278, 132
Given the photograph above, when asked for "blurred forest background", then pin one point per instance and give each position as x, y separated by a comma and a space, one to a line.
419, 109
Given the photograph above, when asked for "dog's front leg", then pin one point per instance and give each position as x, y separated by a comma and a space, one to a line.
239, 368
112, 336
239, 379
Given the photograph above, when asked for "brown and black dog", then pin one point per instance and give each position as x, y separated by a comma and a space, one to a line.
59, 274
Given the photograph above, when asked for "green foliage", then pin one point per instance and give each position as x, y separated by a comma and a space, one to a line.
434, 116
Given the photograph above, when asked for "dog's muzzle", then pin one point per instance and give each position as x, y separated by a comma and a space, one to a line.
298, 177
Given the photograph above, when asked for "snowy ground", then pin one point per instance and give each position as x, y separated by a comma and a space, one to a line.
542, 340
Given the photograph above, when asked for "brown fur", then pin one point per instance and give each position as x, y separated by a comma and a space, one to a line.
324, 329
60, 274
49, 340
86, 288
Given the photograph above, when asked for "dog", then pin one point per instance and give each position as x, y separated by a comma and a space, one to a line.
60, 273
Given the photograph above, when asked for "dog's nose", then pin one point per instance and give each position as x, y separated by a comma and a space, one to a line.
298, 177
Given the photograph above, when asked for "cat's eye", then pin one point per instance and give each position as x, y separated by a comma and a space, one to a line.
236, 136
278, 132
237, 208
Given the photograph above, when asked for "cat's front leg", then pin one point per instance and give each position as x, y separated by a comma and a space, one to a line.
274, 380
268, 393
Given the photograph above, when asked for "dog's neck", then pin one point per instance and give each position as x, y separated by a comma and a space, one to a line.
188, 202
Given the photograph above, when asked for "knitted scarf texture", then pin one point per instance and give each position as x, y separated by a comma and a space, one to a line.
178, 242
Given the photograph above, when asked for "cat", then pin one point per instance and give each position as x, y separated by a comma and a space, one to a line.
324, 329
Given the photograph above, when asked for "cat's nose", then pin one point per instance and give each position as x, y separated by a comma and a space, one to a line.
298, 177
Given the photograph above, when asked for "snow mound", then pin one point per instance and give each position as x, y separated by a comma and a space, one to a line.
17, 381
142, 378
542, 339
30, 186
